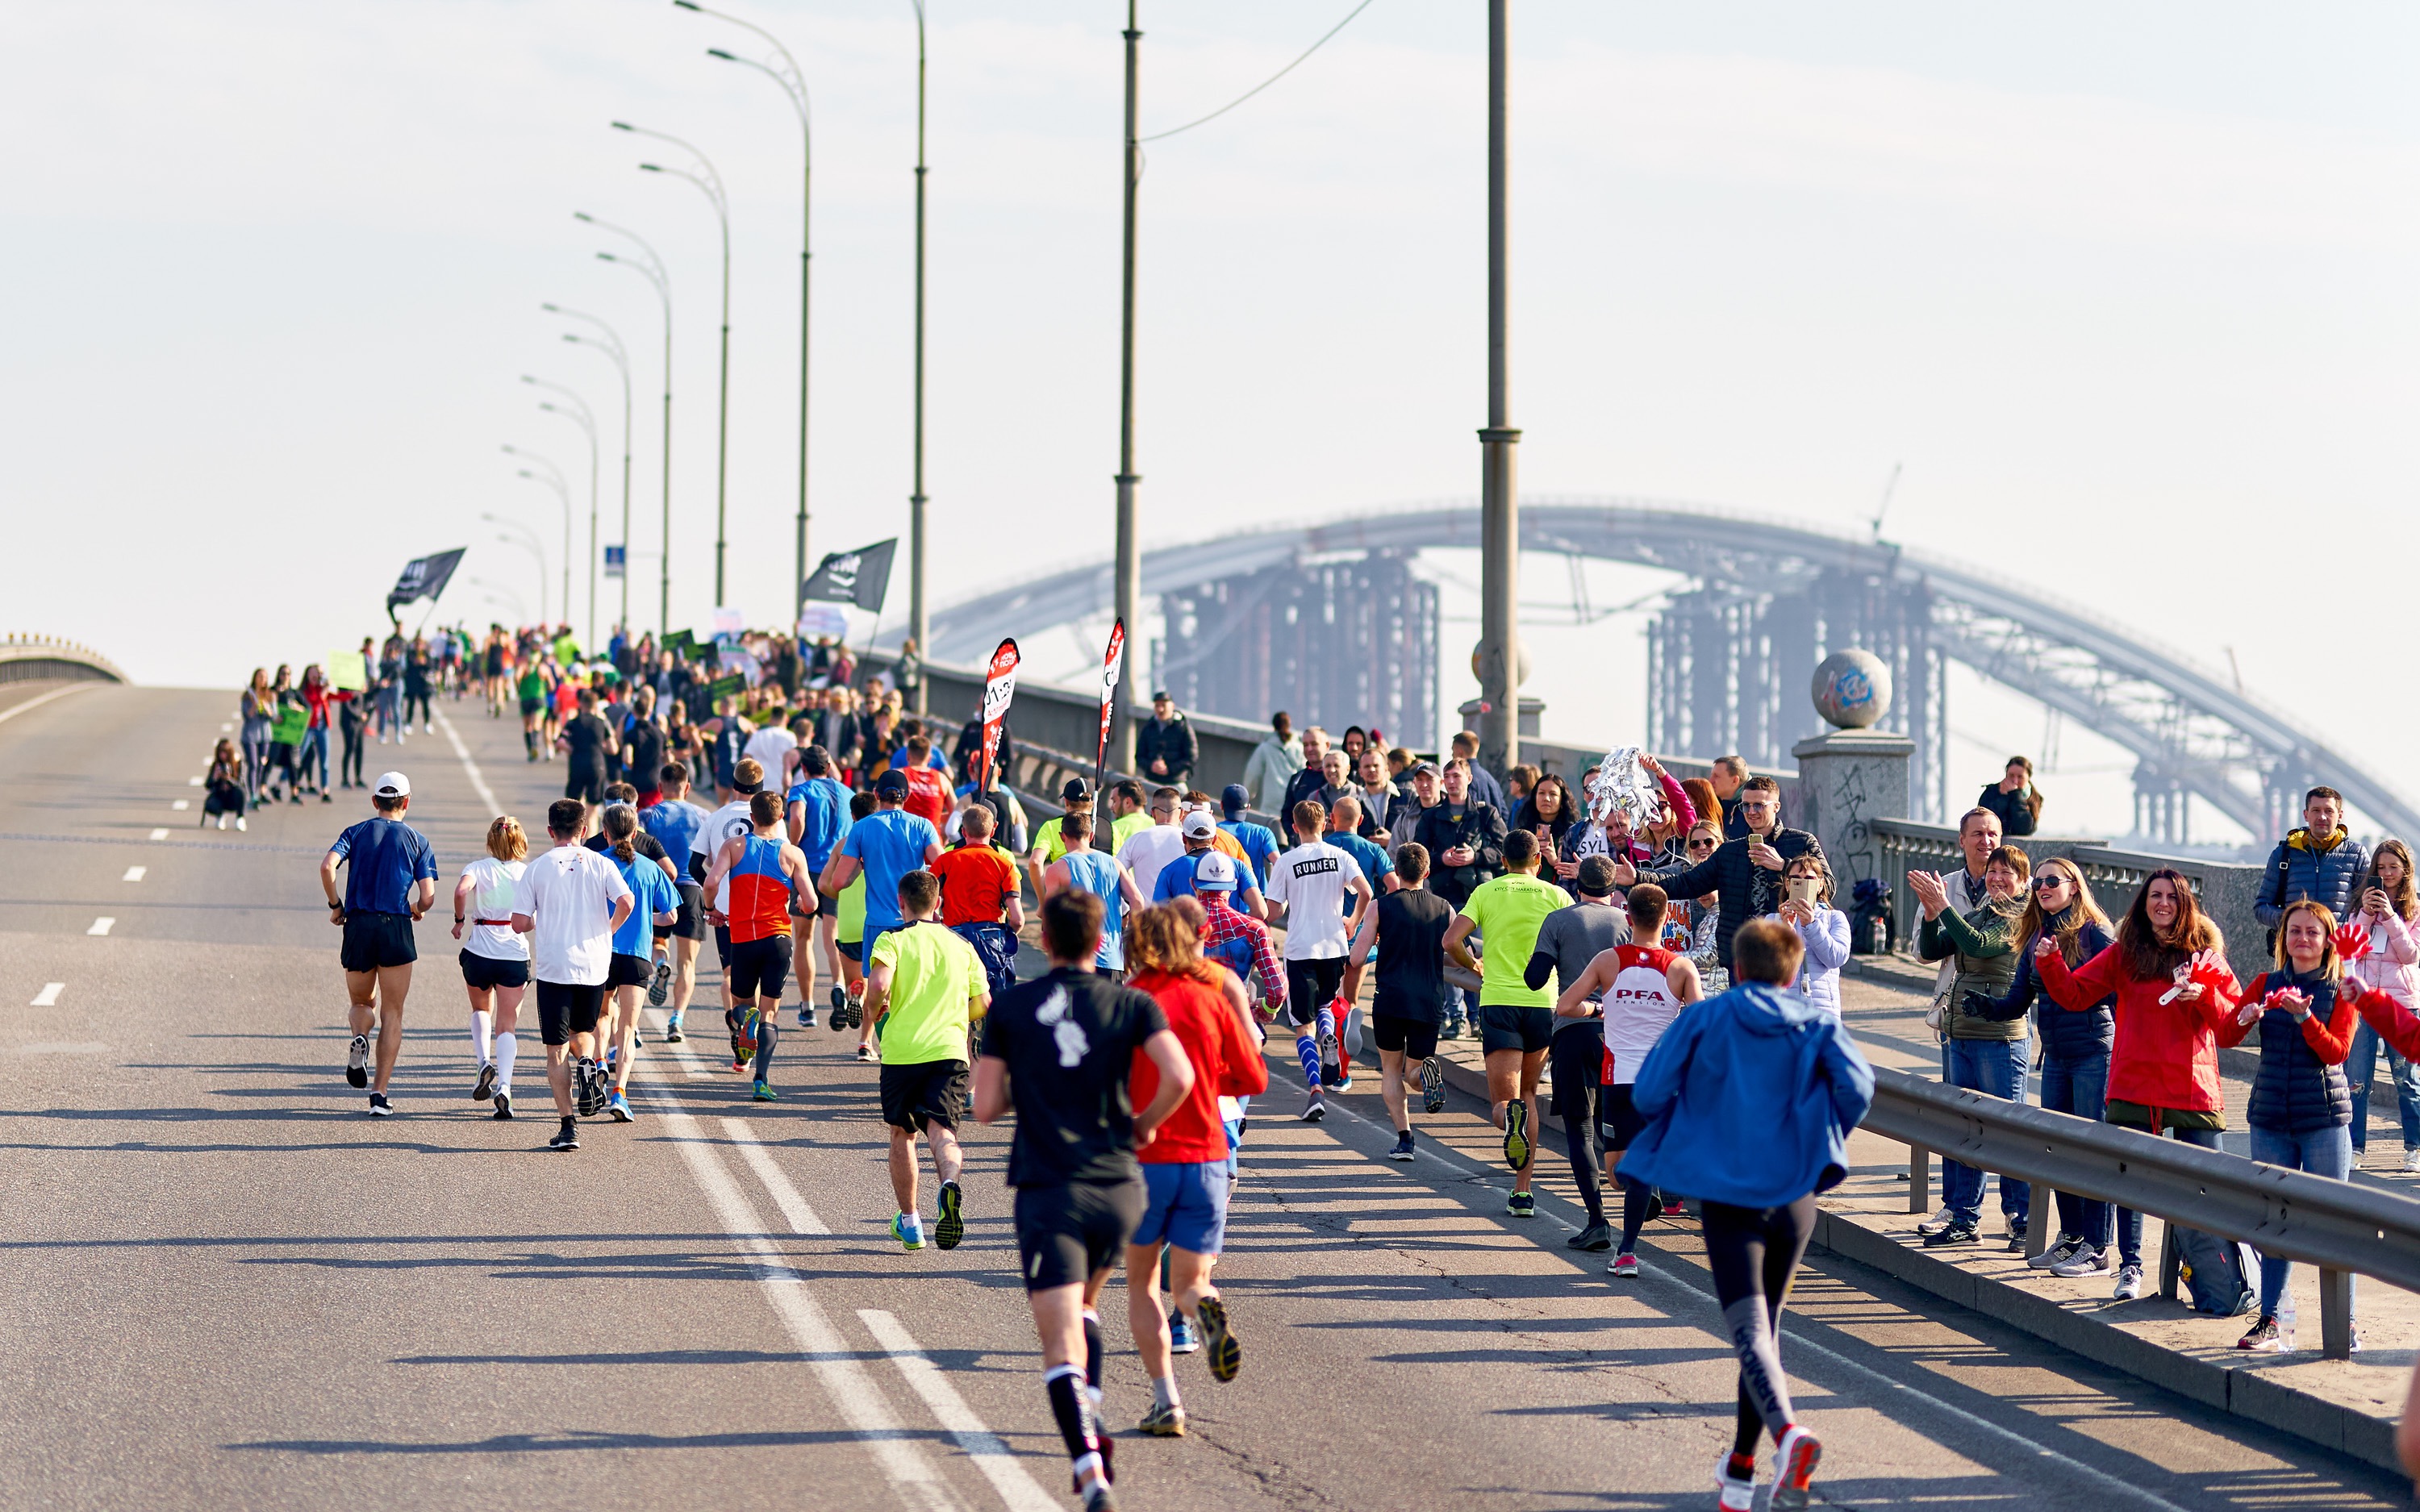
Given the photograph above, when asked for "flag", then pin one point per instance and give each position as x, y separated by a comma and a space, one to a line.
862, 577
999, 687
1111, 665
423, 578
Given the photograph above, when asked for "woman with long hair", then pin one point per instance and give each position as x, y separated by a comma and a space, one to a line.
1985, 1054
2387, 911
1549, 813
222, 790
495, 960
2169, 989
1823, 930
315, 736
258, 710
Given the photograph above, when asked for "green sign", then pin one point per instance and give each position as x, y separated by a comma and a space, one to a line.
726, 687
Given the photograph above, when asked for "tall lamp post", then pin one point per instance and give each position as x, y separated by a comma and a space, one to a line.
529, 542
552, 477
653, 271
709, 183
917, 628
1500, 508
1129, 562
612, 347
580, 416
784, 70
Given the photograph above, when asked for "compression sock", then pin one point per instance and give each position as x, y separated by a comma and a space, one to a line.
1742, 1465
1748, 1424
1093, 1353
1636, 1199
767, 1035
507, 1046
1762, 1382
482, 1050
1577, 1134
1324, 1029
1307, 1051
1073, 1410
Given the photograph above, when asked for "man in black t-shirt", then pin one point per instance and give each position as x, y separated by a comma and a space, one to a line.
1059, 1048
586, 742
1405, 929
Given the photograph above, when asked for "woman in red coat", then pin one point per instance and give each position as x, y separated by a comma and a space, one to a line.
2174, 993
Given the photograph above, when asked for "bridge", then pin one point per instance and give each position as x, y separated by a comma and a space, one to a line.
1765, 599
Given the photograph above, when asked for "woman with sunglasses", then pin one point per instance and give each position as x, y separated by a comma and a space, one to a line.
1985, 1054
2075, 1046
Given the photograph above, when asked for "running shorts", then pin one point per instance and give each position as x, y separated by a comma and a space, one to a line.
587, 784
1619, 1116
567, 1007
630, 971
530, 706
1577, 1062
925, 1093
1066, 1233
851, 950
484, 973
1413, 1039
723, 947
758, 967
827, 906
691, 925
375, 940
1509, 1026
1185, 1205
1311, 985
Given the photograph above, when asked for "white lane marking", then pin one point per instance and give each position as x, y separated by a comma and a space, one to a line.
134, 873
786, 1196
49, 995
159, 834
100, 925
192, 782
6, 715
478, 783
691, 1066
181, 805
1008, 1476
226, 730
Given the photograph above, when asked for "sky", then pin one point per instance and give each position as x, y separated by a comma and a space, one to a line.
2124, 290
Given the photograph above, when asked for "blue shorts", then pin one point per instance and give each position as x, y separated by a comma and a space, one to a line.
1187, 1207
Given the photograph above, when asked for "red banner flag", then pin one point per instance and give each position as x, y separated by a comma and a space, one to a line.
999, 687
1111, 665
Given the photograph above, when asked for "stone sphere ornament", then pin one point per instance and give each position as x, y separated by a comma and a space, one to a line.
1853, 690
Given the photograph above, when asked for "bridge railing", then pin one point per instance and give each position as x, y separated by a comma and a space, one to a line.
28, 658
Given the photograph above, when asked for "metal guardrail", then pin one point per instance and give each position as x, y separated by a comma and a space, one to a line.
2343, 1228
25, 658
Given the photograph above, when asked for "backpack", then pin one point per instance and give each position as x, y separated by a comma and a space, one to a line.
2220, 1274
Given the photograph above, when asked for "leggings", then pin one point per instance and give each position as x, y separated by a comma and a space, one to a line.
415, 699
349, 769
1753, 1251
255, 757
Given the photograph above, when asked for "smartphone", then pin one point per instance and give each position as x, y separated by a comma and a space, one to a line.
1803, 890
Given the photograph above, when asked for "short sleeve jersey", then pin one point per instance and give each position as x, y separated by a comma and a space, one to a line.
1260, 847
1312, 881
384, 860
492, 885
674, 823
722, 826
1572, 937
977, 881
570, 892
889, 843
1375, 868
933, 975
651, 893
1508, 912
1069, 1039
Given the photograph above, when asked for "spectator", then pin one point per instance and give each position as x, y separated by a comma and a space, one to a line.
1399, 760
1306, 782
1745, 874
258, 709
1518, 784
1701, 797
1425, 792
1484, 786
1978, 835
1272, 762
2075, 1046
1823, 930
1165, 747
2301, 1107
1354, 741
1549, 813
1465, 839
1725, 777
910, 672
223, 789
2319, 862
1986, 1054
1696, 918
2391, 964
970, 746
2173, 991
2015, 799
1378, 794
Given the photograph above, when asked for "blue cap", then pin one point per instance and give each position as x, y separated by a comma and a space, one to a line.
1236, 800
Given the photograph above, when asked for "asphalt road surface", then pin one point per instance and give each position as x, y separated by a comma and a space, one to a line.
230, 1287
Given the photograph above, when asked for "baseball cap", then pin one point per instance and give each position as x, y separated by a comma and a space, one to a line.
891, 784
1213, 873
1162, 697
1236, 800
1419, 767
1075, 790
394, 785
1200, 825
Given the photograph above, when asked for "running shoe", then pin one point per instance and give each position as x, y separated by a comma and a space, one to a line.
1403, 1149
2058, 1254
865, 1052
1226, 1354
1343, 1083
504, 1107
908, 1229
357, 1061
1432, 1086
1521, 1205
951, 1226
619, 1106
566, 1138
673, 1030
1315, 1109
1164, 1422
1739, 1491
1181, 1337
1794, 1467
806, 1015
1100, 1498
1954, 1234
2130, 1283
660, 987
589, 1078
487, 1088
2266, 1337
764, 1093
1516, 1135
2086, 1261
380, 1107
1625, 1268
1594, 1238
1938, 1222
741, 1021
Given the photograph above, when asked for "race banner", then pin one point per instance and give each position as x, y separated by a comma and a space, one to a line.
423, 578
1111, 665
1000, 688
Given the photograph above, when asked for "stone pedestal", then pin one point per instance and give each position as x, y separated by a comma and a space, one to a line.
1845, 778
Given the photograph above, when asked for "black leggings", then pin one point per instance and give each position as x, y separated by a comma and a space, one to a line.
1753, 1253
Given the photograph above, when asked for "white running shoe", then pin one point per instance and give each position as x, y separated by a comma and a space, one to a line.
2084, 1262
2130, 1283
1739, 1495
2058, 1254
1938, 1222
2411, 1163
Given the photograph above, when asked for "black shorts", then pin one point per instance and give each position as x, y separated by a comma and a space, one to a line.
1066, 1233
723, 947
587, 785
1311, 985
1577, 1062
851, 950
485, 972
826, 906
923, 1093
375, 940
757, 968
1621, 1118
1507, 1026
630, 971
565, 1008
1412, 1039
530, 706
691, 925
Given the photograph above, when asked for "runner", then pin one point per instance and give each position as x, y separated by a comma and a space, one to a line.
495, 960
929, 983
726, 823
1759, 1056
848, 934
1259, 841
1569, 942
1080, 866
655, 901
884, 846
1201, 836
1051, 842
1312, 882
928, 787
1185, 1167
390, 880
498, 658
619, 1027
1406, 931
818, 817
675, 823
531, 688
589, 743
1060, 1049
1516, 1020
757, 875
569, 903
981, 901
1151, 848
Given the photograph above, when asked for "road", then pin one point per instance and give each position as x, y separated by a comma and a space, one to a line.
232, 1288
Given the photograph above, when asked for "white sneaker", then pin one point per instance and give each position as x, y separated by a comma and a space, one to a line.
1738, 1496
2411, 1163
238, 822
2058, 1254
2130, 1283
2086, 1261
1938, 1222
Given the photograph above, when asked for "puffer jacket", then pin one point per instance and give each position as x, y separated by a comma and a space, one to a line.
2301, 866
1746, 890
2064, 1036
1984, 940
2301, 1084
2165, 1056
2015, 814
2392, 964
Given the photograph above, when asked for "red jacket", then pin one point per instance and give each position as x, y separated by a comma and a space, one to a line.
1226, 1063
2331, 1042
2166, 1053
2391, 1020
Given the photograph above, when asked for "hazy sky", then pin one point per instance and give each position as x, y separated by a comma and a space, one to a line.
2127, 288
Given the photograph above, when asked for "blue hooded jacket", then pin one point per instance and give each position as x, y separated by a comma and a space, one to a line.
1749, 1098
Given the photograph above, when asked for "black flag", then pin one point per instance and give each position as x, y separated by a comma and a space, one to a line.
423, 578
862, 577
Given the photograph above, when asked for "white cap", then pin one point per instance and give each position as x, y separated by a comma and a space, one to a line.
393, 785
1200, 825
1213, 873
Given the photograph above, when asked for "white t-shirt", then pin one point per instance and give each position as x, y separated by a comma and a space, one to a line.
1311, 880
494, 887
771, 746
1148, 851
720, 828
570, 892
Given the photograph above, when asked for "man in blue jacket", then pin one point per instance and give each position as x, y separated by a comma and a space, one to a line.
2319, 862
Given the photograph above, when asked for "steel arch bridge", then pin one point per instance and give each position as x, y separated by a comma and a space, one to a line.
1766, 595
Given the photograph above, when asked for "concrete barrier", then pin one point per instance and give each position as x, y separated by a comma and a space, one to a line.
48, 659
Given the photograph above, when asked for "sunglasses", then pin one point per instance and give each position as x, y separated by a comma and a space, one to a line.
1702, 845
2044, 884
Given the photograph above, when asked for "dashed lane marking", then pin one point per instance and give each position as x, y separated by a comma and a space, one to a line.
134, 873
786, 1196
49, 995
102, 925
159, 834
181, 805
192, 782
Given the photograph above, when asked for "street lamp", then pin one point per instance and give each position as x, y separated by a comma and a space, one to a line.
586, 421
917, 629
552, 477
612, 347
529, 542
709, 183
1129, 558
784, 70
1500, 508
653, 271
498, 594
